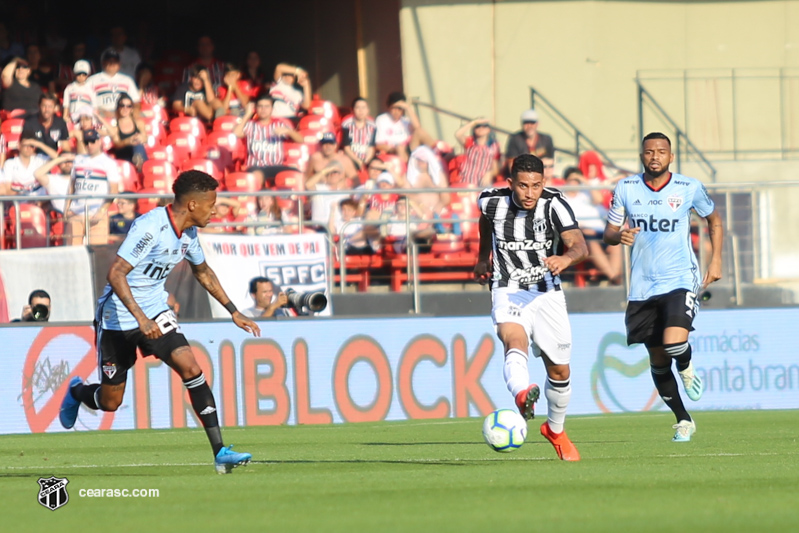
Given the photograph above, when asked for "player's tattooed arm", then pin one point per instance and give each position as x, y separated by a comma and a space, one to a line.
207, 278
716, 233
117, 278
576, 249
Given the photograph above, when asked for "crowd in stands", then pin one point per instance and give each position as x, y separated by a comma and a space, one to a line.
120, 126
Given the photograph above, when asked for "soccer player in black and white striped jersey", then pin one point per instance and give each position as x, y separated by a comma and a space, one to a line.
528, 236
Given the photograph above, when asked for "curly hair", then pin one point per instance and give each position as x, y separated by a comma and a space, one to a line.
193, 181
526, 163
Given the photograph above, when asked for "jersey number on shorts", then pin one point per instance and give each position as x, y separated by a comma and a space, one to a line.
690, 303
167, 321
157, 272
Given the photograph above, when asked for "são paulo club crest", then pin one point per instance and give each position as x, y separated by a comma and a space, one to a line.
674, 202
53, 492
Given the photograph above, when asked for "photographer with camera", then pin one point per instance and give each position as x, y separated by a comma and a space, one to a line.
38, 308
267, 305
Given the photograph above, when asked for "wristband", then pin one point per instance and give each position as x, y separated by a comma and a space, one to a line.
231, 307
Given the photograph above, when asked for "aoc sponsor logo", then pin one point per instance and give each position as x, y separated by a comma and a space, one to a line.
525, 245
142, 244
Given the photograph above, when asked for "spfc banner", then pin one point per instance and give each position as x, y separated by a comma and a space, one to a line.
53, 492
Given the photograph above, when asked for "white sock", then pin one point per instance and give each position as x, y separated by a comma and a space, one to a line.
516, 375
558, 394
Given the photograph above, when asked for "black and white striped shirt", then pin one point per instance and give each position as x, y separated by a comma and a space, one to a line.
524, 238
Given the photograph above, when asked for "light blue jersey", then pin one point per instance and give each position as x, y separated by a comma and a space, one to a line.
662, 256
153, 247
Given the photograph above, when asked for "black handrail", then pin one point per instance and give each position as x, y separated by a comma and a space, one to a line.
643, 94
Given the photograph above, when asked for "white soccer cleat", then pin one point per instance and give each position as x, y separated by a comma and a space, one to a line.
692, 383
685, 429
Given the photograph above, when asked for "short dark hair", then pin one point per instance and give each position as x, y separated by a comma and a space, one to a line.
350, 202
656, 135
38, 293
48, 96
194, 71
358, 99
526, 163
571, 170
394, 97
193, 181
265, 96
255, 281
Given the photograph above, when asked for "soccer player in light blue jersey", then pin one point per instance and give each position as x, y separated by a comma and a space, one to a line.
664, 271
133, 311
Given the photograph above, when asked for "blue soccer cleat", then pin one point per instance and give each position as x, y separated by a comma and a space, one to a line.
692, 383
69, 405
685, 429
226, 460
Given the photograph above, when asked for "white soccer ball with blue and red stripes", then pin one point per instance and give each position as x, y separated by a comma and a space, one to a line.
504, 430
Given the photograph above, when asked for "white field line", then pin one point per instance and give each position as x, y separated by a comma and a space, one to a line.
418, 461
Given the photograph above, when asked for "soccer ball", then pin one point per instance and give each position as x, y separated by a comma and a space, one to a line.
504, 430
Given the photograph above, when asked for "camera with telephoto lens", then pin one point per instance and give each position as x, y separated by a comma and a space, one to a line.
40, 313
314, 301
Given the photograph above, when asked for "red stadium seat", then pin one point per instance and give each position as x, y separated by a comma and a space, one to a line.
316, 124
204, 165
289, 180
33, 226
158, 175
154, 113
12, 130
325, 109
184, 146
229, 142
190, 125
242, 182
226, 123
129, 176
147, 204
155, 131
296, 155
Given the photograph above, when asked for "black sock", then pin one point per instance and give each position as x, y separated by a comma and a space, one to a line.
202, 400
667, 388
681, 352
85, 393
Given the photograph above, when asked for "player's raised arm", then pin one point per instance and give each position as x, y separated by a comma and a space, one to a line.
117, 278
716, 231
207, 278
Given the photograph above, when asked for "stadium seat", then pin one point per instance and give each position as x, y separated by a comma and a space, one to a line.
204, 165
154, 113
234, 146
191, 125
12, 130
129, 176
326, 109
289, 180
155, 131
33, 226
158, 175
225, 123
242, 182
147, 204
158, 152
296, 155
184, 146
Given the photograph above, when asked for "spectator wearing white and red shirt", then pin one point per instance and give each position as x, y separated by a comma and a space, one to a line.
18, 177
398, 130
358, 135
94, 173
78, 93
289, 100
265, 138
110, 83
481, 150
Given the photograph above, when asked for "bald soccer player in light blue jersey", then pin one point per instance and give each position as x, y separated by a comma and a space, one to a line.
665, 277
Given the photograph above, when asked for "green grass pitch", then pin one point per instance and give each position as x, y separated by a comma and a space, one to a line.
740, 473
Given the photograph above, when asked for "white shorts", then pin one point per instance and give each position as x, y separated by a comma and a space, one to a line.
543, 317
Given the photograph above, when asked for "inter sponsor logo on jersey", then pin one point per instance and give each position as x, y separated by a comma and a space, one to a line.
653, 224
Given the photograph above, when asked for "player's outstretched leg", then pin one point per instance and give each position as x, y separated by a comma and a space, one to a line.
681, 352
558, 393
517, 378
202, 401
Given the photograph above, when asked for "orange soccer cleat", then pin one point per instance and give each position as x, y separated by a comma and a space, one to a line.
526, 399
561, 442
